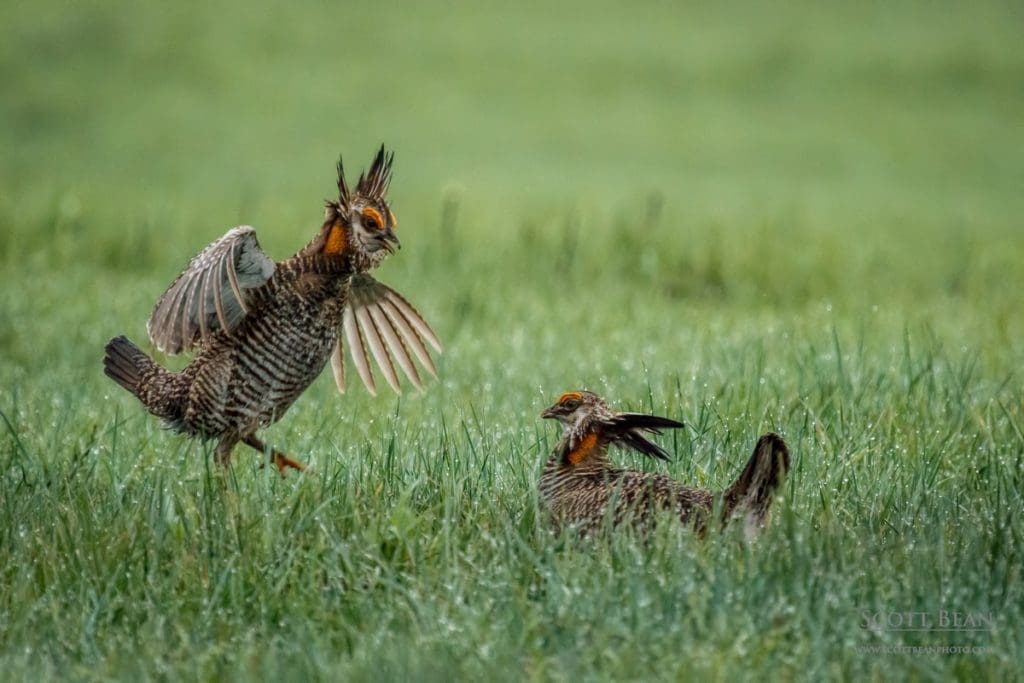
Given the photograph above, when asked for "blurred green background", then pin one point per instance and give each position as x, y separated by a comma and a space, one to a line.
803, 217
862, 154
227, 112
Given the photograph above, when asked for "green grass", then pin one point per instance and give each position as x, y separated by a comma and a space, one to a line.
803, 218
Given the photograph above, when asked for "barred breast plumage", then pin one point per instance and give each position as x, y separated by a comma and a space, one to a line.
258, 373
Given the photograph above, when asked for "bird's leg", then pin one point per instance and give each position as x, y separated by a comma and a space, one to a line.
279, 459
223, 455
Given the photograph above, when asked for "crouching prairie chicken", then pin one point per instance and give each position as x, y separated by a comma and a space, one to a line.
581, 488
263, 331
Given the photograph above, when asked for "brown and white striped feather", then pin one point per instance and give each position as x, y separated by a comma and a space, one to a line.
379, 319
213, 293
251, 378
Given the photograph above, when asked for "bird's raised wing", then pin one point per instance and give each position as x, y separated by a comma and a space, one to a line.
380, 318
214, 292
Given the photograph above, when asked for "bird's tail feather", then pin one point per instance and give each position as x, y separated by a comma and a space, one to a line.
754, 488
126, 364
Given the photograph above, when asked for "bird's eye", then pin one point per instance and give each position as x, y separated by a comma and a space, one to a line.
372, 219
571, 404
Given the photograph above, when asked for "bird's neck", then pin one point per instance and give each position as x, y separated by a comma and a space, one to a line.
313, 262
327, 253
584, 450
331, 240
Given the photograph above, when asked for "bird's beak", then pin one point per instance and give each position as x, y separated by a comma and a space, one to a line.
548, 413
390, 240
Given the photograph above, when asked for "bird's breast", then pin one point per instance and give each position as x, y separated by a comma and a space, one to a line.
281, 349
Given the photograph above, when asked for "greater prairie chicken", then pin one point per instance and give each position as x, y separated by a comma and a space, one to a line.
581, 488
263, 331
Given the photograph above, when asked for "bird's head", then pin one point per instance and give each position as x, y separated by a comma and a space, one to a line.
360, 223
575, 409
589, 425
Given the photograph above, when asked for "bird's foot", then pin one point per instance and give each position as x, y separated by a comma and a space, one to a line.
280, 460
283, 463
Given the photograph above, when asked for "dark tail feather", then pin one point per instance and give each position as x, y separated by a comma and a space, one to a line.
125, 363
753, 489
627, 427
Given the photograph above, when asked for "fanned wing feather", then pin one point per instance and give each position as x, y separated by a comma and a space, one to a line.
377, 317
215, 292
186, 320
338, 365
212, 293
409, 336
358, 350
395, 345
376, 344
412, 316
233, 280
218, 299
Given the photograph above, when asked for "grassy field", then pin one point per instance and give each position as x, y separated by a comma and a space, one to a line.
804, 218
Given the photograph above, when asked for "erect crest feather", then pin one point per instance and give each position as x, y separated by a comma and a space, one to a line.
372, 184
343, 194
375, 182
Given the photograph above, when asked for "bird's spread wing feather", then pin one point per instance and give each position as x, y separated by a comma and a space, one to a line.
212, 293
379, 319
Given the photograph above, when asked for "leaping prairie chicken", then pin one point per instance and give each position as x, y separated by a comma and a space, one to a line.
581, 488
262, 331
